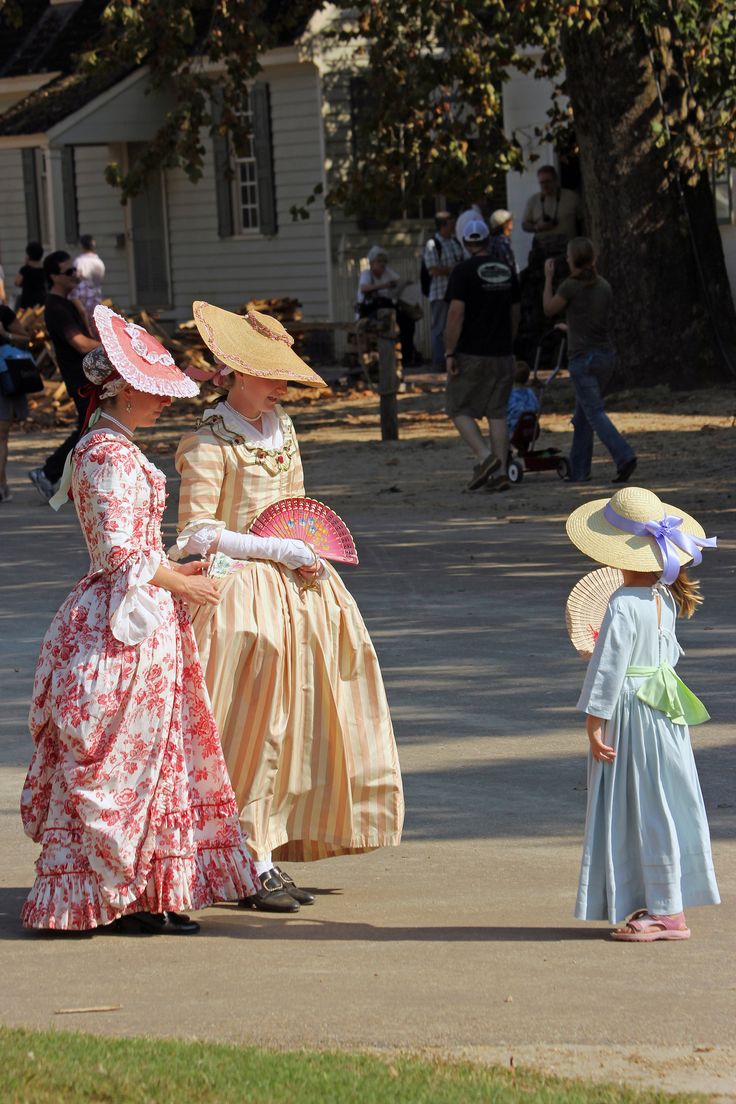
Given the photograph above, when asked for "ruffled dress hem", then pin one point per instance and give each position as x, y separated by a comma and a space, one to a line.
71, 900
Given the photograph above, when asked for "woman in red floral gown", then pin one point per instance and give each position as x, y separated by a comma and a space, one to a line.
127, 791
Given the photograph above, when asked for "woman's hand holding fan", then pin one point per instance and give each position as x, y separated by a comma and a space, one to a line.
311, 521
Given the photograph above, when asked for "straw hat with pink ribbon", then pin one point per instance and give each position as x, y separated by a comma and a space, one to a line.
253, 344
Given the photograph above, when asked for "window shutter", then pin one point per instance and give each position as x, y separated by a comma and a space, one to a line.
30, 188
69, 189
263, 149
223, 181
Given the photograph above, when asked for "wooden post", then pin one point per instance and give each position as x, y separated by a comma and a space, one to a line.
388, 382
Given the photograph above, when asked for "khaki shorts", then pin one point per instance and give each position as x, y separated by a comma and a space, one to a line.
481, 388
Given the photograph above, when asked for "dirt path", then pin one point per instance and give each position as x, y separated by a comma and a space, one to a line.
461, 941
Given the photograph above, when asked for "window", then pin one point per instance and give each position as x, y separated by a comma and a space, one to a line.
246, 181
245, 188
721, 183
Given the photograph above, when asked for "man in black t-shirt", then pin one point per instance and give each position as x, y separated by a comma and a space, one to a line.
482, 320
68, 331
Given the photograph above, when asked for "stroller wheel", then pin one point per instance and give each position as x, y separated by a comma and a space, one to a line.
515, 471
563, 468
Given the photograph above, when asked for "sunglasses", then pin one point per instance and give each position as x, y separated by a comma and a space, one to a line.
68, 271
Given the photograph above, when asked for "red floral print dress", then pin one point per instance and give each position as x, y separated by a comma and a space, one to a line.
127, 791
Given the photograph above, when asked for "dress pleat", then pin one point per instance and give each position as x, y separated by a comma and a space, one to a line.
294, 678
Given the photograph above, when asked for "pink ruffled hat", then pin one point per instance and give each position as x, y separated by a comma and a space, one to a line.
139, 358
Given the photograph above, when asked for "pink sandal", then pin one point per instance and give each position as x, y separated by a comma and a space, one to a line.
644, 928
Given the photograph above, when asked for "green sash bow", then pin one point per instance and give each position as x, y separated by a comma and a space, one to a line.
665, 690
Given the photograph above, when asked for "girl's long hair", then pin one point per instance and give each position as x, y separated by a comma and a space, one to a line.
686, 592
581, 252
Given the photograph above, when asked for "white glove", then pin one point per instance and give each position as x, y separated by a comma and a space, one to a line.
244, 546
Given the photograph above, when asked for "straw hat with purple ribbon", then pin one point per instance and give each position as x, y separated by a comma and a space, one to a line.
635, 531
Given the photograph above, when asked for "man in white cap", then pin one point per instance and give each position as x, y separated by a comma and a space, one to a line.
482, 320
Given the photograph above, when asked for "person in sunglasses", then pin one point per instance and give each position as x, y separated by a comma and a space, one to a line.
68, 329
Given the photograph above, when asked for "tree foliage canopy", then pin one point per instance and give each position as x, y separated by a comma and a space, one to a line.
431, 116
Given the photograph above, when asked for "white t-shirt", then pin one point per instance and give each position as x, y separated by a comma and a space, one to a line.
91, 268
367, 277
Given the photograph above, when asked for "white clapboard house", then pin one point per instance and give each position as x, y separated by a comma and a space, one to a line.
230, 236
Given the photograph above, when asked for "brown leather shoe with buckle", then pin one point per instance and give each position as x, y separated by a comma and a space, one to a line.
271, 897
300, 895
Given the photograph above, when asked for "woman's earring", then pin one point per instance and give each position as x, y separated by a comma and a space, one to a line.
128, 407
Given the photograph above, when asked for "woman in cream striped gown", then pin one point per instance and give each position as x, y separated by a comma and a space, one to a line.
290, 667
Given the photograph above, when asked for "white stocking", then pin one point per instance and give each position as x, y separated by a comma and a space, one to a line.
264, 865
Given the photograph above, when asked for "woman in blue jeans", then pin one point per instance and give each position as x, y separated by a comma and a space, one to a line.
588, 300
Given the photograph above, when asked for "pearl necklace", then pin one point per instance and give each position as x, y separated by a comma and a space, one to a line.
126, 429
251, 421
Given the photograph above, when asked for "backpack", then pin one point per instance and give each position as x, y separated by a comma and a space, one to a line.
18, 373
425, 276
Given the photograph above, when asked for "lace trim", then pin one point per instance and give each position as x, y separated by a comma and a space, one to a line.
274, 460
266, 331
151, 384
273, 372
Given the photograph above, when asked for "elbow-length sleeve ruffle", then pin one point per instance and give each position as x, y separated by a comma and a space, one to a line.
607, 667
201, 464
114, 512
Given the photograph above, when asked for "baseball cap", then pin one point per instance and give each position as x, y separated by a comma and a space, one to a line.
476, 231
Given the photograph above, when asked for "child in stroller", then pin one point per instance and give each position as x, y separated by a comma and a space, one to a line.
523, 414
522, 399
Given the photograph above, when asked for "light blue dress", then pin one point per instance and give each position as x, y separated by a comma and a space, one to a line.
647, 843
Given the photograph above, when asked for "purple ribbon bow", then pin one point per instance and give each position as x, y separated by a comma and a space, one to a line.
667, 534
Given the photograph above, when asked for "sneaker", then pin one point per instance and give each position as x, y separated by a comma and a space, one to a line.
43, 485
5, 495
482, 471
500, 483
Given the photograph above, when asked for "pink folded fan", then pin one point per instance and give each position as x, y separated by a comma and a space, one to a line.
311, 521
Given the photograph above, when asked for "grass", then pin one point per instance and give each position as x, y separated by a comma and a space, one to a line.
63, 1068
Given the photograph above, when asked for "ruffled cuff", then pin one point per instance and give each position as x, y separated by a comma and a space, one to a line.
195, 538
135, 608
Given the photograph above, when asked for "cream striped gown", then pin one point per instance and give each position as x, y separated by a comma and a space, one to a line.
294, 679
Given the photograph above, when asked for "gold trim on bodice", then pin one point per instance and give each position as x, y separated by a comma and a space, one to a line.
273, 460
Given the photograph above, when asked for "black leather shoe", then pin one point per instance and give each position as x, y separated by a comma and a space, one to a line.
625, 472
300, 895
157, 923
271, 897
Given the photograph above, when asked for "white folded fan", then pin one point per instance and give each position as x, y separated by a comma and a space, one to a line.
586, 607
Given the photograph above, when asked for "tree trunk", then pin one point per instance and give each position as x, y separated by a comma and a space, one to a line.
667, 329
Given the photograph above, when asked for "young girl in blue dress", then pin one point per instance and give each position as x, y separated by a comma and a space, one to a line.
647, 851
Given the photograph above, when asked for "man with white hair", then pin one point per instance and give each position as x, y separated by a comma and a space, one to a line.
482, 320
